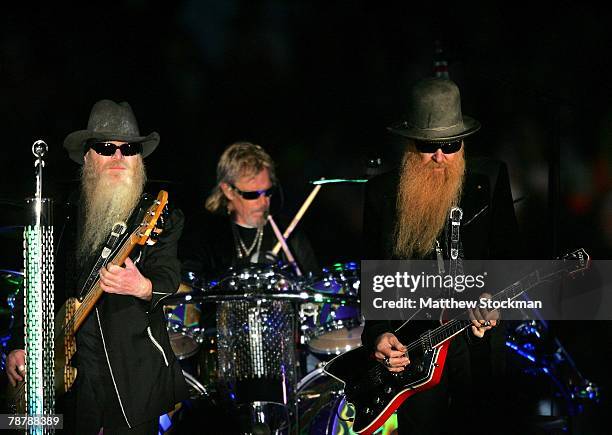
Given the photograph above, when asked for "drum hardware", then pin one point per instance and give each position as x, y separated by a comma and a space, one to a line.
273, 311
196, 389
544, 354
266, 417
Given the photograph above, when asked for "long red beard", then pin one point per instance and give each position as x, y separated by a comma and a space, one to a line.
424, 199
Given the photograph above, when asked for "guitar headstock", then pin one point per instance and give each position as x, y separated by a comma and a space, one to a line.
577, 261
149, 227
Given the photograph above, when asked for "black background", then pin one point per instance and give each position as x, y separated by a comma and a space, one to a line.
316, 83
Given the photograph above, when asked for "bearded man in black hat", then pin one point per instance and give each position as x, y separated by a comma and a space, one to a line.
127, 374
407, 217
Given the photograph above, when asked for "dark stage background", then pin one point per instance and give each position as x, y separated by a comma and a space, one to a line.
316, 83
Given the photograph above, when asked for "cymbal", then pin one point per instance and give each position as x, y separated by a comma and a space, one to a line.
11, 272
339, 181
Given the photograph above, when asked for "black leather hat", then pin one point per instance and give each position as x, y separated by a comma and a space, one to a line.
109, 121
434, 113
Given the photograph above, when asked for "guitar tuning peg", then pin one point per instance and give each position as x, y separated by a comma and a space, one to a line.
154, 236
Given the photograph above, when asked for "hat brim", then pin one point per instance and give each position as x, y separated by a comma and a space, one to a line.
469, 127
75, 141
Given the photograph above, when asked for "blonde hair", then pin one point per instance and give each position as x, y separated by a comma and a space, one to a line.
240, 159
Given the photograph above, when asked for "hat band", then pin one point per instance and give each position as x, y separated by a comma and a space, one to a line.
433, 128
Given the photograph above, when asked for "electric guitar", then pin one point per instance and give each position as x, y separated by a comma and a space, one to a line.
74, 312
376, 393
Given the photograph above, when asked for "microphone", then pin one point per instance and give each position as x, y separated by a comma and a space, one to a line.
39, 148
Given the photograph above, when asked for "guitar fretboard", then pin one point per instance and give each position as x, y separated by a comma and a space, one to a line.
444, 332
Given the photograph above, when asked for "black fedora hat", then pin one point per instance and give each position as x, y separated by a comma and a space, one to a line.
109, 121
434, 113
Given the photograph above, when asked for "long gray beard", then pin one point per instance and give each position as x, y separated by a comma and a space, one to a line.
106, 205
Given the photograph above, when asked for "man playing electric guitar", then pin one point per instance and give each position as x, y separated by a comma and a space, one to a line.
127, 374
407, 217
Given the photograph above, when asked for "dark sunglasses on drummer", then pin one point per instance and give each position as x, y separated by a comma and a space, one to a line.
254, 194
432, 147
108, 148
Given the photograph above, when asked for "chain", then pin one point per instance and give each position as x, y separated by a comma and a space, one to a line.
242, 250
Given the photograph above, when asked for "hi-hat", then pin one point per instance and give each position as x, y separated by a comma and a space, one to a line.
338, 181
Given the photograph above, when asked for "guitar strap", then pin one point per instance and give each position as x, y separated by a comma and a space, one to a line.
111, 244
456, 251
117, 235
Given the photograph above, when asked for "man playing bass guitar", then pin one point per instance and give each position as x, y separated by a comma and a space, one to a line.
127, 374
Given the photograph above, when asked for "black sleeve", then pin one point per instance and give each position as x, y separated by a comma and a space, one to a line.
303, 253
196, 248
372, 330
160, 263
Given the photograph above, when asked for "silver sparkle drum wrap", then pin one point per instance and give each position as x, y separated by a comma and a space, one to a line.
255, 341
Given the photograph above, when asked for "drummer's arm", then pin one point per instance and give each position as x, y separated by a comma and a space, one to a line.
161, 265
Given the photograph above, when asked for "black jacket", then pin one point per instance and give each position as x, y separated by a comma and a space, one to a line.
146, 375
208, 248
489, 228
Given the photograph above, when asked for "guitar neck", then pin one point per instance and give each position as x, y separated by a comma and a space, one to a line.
448, 330
94, 295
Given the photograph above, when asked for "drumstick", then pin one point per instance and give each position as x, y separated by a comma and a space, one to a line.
283, 243
297, 217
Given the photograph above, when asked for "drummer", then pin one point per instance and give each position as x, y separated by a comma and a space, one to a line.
234, 231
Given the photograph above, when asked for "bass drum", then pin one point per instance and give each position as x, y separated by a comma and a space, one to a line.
322, 409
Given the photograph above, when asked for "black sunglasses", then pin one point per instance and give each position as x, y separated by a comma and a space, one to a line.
108, 149
432, 147
254, 194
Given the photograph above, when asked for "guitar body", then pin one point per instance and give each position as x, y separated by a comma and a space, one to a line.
65, 347
375, 392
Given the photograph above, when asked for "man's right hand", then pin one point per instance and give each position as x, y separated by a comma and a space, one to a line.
391, 353
15, 366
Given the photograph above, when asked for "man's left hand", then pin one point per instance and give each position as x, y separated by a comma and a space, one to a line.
125, 281
482, 319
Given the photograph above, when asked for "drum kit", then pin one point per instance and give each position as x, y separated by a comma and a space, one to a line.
262, 356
